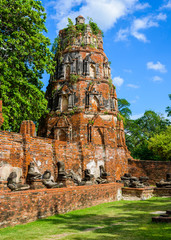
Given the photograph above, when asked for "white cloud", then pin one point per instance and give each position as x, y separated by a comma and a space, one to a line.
145, 23
104, 12
142, 6
167, 5
157, 79
135, 100
128, 70
161, 16
122, 35
156, 66
140, 24
118, 81
140, 36
132, 85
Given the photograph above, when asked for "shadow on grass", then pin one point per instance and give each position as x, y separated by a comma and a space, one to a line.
128, 220
131, 221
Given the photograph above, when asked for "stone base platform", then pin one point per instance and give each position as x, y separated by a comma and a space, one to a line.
3, 185
144, 193
166, 218
66, 182
36, 184
161, 219
162, 192
137, 193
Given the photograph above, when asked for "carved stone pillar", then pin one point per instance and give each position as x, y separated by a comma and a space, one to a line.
70, 102
73, 67
108, 104
87, 102
62, 71
79, 65
59, 103
97, 70
87, 68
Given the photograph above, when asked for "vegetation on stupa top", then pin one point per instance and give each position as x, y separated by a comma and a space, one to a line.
24, 56
71, 32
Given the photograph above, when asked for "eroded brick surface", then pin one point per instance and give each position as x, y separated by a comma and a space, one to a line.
19, 150
155, 170
83, 129
84, 108
26, 206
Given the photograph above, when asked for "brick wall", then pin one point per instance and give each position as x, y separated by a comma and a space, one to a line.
28, 127
21, 149
26, 206
11, 148
155, 170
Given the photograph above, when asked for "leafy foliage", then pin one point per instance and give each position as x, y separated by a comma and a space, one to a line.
161, 144
110, 83
73, 78
55, 45
139, 131
95, 29
72, 31
123, 107
24, 55
168, 109
81, 28
120, 117
70, 23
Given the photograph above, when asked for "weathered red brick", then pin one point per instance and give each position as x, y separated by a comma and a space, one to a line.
26, 206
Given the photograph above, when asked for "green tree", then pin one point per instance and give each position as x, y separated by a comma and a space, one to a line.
139, 131
24, 55
123, 107
168, 109
161, 144
95, 29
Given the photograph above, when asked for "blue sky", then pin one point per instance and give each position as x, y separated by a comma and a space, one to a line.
137, 41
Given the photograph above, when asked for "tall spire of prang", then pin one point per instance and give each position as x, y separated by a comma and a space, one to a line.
81, 97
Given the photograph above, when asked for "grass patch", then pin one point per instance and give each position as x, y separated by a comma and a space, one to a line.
123, 220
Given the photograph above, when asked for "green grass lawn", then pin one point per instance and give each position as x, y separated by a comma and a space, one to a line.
128, 220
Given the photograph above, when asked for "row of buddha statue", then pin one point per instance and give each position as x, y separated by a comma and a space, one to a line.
48, 180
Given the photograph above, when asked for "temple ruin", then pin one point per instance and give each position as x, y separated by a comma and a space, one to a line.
79, 155
83, 104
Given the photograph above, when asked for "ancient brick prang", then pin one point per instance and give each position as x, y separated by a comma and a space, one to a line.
82, 99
